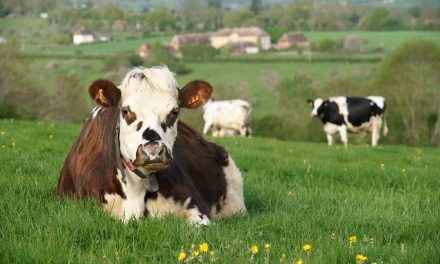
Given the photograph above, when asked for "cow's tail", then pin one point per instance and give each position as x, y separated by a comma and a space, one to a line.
385, 126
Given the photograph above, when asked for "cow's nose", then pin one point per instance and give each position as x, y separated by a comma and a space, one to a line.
153, 155
153, 150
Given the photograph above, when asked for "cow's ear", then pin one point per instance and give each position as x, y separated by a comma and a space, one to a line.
105, 93
326, 102
310, 102
195, 94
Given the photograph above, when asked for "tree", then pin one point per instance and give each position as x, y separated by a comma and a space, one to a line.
380, 19
410, 81
159, 19
217, 4
112, 12
256, 6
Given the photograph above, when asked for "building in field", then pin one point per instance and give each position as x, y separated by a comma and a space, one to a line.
179, 41
83, 36
255, 35
292, 40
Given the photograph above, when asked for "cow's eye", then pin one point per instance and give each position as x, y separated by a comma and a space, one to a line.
128, 115
172, 117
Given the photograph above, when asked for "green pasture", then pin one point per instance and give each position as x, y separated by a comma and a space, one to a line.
222, 74
296, 193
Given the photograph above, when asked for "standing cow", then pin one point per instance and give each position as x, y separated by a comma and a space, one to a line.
137, 158
227, 118
354, 114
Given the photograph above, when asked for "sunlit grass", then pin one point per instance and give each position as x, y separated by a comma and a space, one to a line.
309, 202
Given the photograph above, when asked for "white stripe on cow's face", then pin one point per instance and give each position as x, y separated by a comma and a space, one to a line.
148, 99
316, 104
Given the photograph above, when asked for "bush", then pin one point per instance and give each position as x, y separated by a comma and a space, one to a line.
327, 45
410, 81
60, 39
199, 52
160, 56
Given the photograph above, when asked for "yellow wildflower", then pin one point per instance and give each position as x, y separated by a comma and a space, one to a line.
182, 256
50, 136
267, 246
192, 247
299, 261
403, 170
333, 235
361, 258
352, 239
289, 194
2, 133
196, 253
382, 165
307, 247
212, 253
204, 247
254, 249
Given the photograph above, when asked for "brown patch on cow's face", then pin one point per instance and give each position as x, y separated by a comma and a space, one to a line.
128, 115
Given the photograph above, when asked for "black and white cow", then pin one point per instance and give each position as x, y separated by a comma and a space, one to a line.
342, 114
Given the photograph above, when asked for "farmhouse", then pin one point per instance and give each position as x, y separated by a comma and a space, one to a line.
249, 34
82, 36
179, 41
288, 40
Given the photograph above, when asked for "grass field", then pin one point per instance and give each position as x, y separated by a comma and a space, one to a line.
296, 194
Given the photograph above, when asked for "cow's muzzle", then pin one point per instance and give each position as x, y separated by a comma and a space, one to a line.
153, 156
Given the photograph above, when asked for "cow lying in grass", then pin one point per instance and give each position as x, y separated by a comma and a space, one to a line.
354, 114
138, 159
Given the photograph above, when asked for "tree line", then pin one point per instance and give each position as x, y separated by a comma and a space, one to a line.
210, 15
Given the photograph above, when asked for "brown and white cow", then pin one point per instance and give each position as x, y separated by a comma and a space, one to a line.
138, 159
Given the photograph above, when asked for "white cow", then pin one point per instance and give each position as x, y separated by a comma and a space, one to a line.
227, 118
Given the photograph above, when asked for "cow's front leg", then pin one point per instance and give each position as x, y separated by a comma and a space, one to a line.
329, 139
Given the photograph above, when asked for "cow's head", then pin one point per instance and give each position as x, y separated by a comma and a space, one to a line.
149, 102
318, 105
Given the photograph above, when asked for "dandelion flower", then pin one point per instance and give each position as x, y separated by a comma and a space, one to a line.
204, 247
307, 247
361, 258
267, 246
182, 256
254, 249
333, 235
50, 136
352, 239
289, 194
403, 170
299, 261
212, 253
196, 253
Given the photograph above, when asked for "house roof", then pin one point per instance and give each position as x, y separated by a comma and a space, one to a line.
244, 31
242, 44
293, 37
194, 38
83, 31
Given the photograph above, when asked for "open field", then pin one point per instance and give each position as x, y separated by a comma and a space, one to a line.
296, 194
35, 33
221, 74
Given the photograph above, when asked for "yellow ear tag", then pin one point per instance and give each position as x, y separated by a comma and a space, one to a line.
101, 96
193, 99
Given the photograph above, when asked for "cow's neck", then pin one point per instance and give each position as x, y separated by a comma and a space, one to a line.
134, 189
